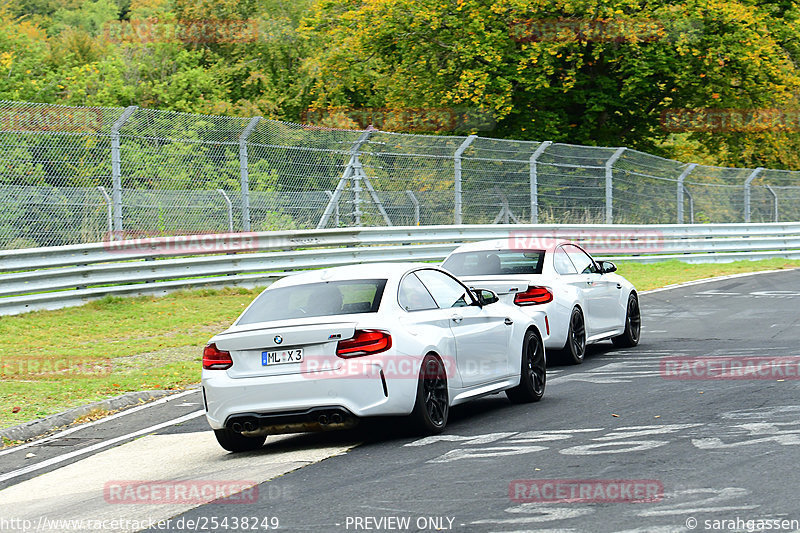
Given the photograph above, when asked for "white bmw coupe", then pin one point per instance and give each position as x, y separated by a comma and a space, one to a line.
321, 349
584, 299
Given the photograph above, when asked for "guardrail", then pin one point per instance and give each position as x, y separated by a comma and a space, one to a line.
55, 277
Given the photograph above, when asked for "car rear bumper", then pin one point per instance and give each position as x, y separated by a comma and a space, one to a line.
295, 397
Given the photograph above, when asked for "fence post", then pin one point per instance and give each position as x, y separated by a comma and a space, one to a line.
681, 188
361, 175
116, 171
610, 185
335, 207
353, 167
416, 206
244, 176
753, 175
775, 201
230, 209
535, 180
691, 204
457, 177
109, 212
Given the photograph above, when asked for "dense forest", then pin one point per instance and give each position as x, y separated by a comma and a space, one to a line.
597, 72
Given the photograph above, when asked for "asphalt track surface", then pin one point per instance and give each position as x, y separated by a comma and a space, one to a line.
711, 453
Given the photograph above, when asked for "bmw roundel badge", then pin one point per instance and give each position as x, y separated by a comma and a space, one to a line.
278, 339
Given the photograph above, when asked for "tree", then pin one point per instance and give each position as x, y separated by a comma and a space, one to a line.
579, 71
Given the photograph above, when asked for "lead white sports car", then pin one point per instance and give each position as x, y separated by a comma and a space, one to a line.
584, 300
321, 349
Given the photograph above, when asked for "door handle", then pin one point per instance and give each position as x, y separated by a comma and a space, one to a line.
456, 318
508, 321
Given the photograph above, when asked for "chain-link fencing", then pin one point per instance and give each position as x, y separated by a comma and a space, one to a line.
73, 175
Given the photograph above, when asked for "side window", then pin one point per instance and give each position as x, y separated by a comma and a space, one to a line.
583, 263
445, 290
561, 262
413, 296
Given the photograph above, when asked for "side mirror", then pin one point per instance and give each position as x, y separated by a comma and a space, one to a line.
607, 267
485, 296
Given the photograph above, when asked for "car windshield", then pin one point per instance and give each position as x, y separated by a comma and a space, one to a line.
495, 262
316, 299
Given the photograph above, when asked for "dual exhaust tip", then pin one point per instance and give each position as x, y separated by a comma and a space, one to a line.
247, 425
335, 418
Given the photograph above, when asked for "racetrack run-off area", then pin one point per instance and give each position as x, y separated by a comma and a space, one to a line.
714, 449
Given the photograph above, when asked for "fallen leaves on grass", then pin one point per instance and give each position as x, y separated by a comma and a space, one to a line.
94, 414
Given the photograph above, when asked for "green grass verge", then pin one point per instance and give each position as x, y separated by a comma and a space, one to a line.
54, 360
655, 275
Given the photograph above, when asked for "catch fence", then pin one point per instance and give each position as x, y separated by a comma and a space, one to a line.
72, 175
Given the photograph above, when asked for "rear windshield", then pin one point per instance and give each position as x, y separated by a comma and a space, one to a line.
495, 262
316, 299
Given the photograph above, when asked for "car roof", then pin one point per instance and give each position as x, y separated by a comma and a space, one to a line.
348, 272
516, 242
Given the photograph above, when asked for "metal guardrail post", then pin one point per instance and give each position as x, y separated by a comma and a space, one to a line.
610, 185
109, 212
244, 175
116, 170
753, 175
775, 201
230, 209
535, 180
416, 206
681, 188
457, 207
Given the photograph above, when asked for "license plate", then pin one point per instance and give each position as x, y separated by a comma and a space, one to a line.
282, 357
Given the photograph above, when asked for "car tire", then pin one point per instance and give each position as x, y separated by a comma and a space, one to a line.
575, 349
432, 404
236, 442
633, 325
533, 371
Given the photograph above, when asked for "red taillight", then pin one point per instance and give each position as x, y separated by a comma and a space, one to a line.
534, 296
364, 342
216, 359
547, 324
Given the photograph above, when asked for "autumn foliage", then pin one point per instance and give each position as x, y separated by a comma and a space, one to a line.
579, 71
